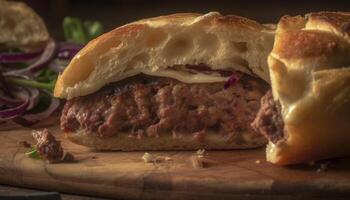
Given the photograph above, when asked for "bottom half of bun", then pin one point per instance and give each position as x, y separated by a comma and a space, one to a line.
166, 141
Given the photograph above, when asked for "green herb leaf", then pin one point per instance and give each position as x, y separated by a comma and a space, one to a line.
33, 153
74, 30
93, 29
81, 32
31, 83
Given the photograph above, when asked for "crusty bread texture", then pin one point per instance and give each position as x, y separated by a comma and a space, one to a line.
158, 47
20, 27
310, 76
153, 46
124, 142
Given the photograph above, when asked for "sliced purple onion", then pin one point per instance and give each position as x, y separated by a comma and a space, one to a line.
18, 57
58, 65
4, 86
19, 95
43, 61
34, 98
25, 99
231, 81
31, 119
10, 101
67, 54
15, 111
68, 50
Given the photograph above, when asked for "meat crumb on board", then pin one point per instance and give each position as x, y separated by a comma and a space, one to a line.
49, 148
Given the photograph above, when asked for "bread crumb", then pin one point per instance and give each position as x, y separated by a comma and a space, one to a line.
197, 162
201, 160
200, 153
167, 158
147, 157
257, 161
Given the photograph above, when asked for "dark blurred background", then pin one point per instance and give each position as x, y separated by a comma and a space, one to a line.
116, 13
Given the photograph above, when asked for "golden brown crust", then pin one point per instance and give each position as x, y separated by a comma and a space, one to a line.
310, 75
155, 31
155, 47
80, 67
124, 142
339, 21
288, 23
304, 44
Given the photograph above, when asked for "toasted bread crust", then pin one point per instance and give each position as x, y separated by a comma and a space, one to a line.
157, 44
310, 76
123, 142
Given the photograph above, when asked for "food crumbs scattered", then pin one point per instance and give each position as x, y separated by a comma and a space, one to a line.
147, 157
200, 153
200, 160
167, 158
48, 148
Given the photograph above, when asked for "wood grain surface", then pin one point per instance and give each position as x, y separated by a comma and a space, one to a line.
124, 175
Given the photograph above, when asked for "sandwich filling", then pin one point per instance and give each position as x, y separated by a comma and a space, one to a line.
148, 106
269, 120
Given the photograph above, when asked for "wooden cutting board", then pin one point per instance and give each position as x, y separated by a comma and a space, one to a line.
124, 175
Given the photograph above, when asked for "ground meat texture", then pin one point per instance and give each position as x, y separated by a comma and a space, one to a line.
47, 146
151, 106
268, 120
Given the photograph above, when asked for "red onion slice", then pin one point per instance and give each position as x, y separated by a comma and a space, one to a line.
34, 98
9, 101
67, 54
68, 50
7, 58
31, 119
43, 61
4, 85
231, 81
15, 111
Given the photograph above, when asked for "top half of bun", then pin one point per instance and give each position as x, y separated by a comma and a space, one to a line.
153, 46
309, 64
20, 26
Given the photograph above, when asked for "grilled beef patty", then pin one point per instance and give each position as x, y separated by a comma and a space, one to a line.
151, 106
268, 120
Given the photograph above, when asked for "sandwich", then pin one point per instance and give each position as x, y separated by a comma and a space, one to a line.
176, 82
21, 28
306, 116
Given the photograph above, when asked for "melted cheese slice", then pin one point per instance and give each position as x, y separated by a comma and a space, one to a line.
186, 77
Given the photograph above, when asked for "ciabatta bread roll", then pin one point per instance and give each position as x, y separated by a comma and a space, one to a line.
21, 27
307, 117
159, 84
